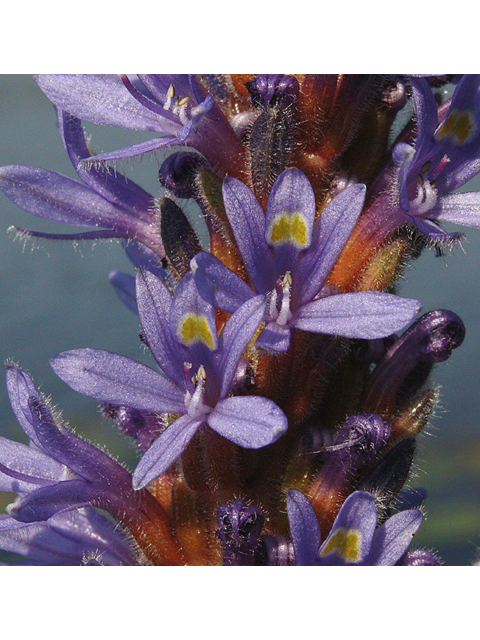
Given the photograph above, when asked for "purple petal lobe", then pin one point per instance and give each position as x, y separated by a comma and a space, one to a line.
165, 450
217, 284
102, 99
352, 531
250, 421
192, 319
237, 333
248, 223
304, 528
20, 388
275, 338
330, 233
392, 539
124, 285
109, 377
22, 467
289, 218
154, 303
45, 502
49, 195
364, 314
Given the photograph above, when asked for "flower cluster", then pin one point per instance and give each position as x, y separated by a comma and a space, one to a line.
279, 420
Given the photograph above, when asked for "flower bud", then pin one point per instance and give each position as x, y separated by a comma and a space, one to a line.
404, 368
239, 528
178, 171
179, 239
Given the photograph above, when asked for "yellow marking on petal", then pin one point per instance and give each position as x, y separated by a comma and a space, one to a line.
289, 228
459, 126
345, 543
194, 328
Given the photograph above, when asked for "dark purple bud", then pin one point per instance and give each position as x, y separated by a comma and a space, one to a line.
275, 551
419, 558
358, 444
365, 436
391, 472
275, 90
395, 95
404, 368
239, 528
178, 171
179, 239
143, 426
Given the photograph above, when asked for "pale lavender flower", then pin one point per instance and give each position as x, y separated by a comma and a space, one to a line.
58, 480
354, 538
176, 106
288, 256
444, 158
199, 371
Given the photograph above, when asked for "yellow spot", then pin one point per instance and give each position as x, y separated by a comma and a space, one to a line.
289, 228
459, 126
194, 328
345, 543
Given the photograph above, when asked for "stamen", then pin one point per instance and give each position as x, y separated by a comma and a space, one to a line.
194, 403
285, 314
170, 96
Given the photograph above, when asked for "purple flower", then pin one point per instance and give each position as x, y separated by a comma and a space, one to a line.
288, 255
200, 369
106, 199
354, 538
176, 106
58, 479
444, 158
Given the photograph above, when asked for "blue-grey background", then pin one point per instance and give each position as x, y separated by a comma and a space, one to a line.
56, 297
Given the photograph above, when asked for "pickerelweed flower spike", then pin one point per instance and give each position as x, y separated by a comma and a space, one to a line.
288, 256
200, 369
354, 538
280, 420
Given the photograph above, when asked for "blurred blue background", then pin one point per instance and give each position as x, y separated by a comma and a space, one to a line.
56, 297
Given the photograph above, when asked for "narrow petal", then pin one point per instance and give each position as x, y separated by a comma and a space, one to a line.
134, 150
45, 502
393, 538
237, 333
49, 195
363, 314
111, 185
154, 303
352, 531
124, 285
192, 319
248, 224
102, 99
22, 467
250, 421
459, 208
275, 338
165, 450
304, 528
20, 389
331, 232
217, 284
76, 454
289, 218
116, 379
